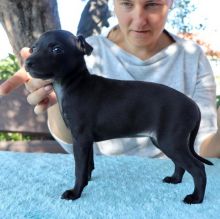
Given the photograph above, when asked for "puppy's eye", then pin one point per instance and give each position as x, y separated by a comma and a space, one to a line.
57, 50
33, 49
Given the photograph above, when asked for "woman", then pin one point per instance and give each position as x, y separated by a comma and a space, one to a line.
138, 49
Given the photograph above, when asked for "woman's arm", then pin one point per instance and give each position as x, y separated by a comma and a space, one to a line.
208, 137
57, 125
210, 147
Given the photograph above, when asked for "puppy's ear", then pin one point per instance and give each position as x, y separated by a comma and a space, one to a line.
83, 46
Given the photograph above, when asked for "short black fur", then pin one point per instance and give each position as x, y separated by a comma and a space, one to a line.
96, 109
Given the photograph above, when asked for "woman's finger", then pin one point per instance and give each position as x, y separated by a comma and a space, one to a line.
25, 53
19, 78
45, 104
34, 84
39, 95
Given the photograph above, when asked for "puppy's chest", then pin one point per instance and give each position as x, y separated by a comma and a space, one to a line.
68, 105
59, 94
61, 98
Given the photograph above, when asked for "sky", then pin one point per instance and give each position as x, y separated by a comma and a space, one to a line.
70, 11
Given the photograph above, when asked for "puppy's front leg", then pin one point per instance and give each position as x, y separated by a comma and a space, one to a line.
91, 165
81, 148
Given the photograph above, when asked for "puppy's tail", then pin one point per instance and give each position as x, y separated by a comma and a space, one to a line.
192, 141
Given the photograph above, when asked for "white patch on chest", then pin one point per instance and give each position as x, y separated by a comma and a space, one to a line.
59, 94
146, 134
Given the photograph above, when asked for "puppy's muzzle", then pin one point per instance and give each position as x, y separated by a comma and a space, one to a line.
29, 65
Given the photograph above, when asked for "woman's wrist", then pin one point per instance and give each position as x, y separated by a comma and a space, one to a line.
210, 147
57, 125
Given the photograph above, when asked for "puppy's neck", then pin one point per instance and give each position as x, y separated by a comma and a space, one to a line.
74, 77
72, 82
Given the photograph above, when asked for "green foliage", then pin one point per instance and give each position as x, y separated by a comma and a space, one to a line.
218, 101
8, 66
13, 137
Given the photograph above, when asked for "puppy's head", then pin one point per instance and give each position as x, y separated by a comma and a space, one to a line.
56, 54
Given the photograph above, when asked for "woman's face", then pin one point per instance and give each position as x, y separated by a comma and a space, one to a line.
141, 21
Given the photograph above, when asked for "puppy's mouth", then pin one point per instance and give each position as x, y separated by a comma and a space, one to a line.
38, 74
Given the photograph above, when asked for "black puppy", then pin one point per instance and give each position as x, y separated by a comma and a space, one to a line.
96, 109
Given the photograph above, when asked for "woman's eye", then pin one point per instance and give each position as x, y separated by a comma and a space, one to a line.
57, 51
152, 5
126, 4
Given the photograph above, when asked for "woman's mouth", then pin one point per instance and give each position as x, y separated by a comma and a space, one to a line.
140, 33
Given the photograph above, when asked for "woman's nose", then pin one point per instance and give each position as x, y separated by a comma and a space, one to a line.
139, 16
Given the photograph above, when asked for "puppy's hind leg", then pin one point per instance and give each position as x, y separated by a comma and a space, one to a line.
91, 165
81, 150
177, 175
197, 170
178, 172
180, 154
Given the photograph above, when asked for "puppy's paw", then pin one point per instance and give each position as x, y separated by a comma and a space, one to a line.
70, 195
90, 173
90, 177
192, 199
170, 179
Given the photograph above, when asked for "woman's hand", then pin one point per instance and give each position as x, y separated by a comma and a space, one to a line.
210, 147
41, 94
